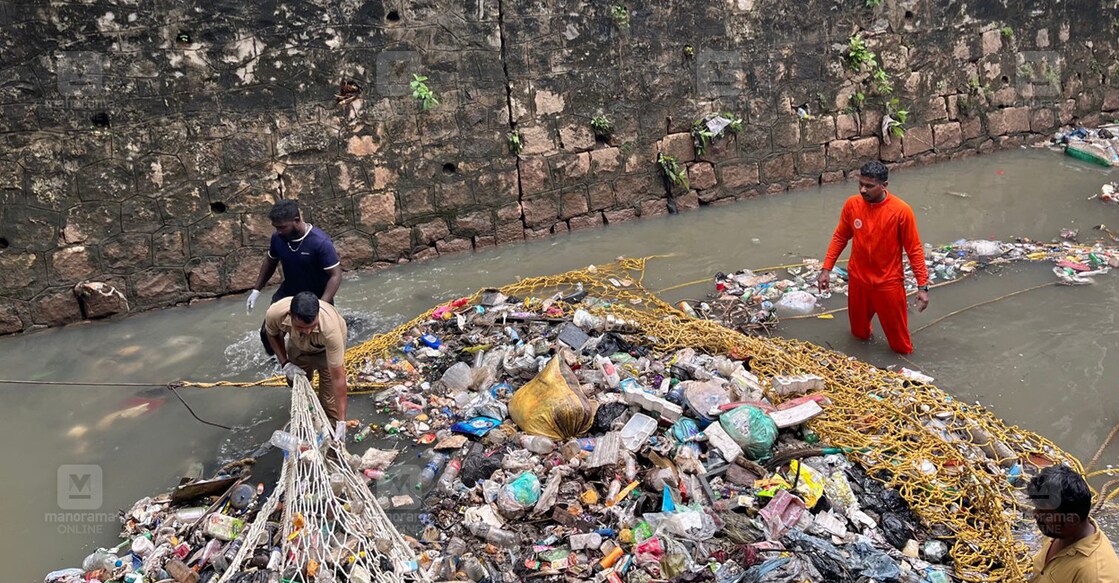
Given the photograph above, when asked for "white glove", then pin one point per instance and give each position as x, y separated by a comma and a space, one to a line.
251, 302
292, 370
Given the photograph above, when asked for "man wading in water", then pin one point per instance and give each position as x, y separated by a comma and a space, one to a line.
882, 225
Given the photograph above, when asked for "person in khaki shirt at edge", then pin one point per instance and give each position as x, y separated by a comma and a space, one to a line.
1077, 550
316, 341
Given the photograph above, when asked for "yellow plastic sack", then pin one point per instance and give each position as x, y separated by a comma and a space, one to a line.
810, 486
552, 404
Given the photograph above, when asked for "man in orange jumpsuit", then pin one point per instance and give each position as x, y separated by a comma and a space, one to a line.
882, 225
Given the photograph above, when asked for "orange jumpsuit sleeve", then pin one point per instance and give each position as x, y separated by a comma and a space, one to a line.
911, 241
843, 234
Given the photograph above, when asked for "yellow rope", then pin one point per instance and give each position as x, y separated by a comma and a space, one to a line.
984, 303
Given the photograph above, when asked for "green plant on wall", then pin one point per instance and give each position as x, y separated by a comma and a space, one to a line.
880, 82
857, 100
602, 126
672, 170
873, 3
702, 136
735, 125
620, 14
974, 86
689, 51
896, 117
1007, 32
857, 54
423, 93
516, 143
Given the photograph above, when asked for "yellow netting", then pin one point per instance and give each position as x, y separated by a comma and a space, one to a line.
871, 409
902, 431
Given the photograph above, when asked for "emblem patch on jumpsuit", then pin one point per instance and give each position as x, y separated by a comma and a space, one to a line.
858, 223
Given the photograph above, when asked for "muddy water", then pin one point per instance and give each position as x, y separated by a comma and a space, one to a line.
1040, 359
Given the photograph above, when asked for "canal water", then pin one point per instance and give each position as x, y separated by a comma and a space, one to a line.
1041, 360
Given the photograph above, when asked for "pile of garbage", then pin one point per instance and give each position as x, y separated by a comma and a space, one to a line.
564, 448
199, 524
574, 427
319, 523
756, 301
1109, 192
1096, 145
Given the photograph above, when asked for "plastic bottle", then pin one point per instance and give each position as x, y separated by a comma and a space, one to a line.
447, 480
209, 551
142, 546
631, 467
538, 444
676, 392
474, 569
430, 471
180, 572
494, 536
615, 488
286, 441
232, 549
337, 483
361, 435
99, 559
372, 474
608, 370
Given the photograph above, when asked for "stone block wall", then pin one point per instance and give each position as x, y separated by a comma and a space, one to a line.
141, 145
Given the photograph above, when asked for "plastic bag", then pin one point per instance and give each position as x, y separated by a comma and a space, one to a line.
750, 428
552, 404
458, 377
796, 303
702, 398
687, 524
377, 459
485, 405
984, 248
781, 514
525, 489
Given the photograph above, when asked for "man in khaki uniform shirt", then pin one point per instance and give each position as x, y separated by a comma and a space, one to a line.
1077, 550
316, 341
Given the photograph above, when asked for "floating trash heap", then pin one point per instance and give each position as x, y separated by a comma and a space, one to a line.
576, 428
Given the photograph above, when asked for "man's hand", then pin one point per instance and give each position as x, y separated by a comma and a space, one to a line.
251, 302
292, 370
922, 300
824, 281
353, 424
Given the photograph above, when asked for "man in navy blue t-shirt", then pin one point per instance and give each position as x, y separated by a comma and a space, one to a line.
307, 254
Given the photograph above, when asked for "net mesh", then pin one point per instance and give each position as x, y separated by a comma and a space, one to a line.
331, 521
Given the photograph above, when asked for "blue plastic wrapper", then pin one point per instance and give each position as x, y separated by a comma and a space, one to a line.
477, 426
